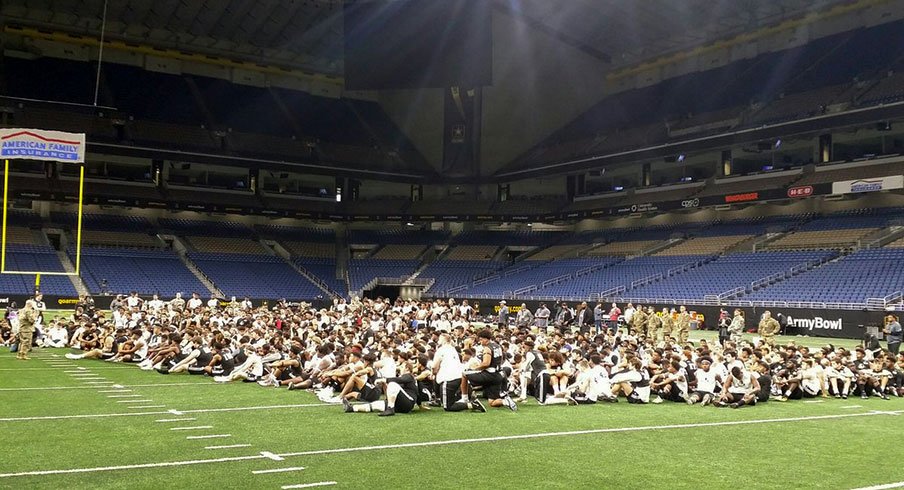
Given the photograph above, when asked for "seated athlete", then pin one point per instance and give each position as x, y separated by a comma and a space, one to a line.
401, 395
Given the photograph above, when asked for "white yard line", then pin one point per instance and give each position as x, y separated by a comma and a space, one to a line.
117, 391
210, 436
309, 485
134, 401
439, 443
168, 412
886, 486
154, 385
277, 470
123, 396
853, 406
149, 406
188, 419
269, 455
231, 446
192, 428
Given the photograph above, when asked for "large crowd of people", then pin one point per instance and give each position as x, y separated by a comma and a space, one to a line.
376, 355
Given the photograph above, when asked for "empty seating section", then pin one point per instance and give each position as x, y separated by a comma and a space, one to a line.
362, 271
622, 248
724, 274
822, 239
146, 271
888, 89
555, 252
899, 243
311, 249
536, 276
396, 236
18, 234
205, 228
621, 274
508, 238
33, 258
281, 232
261, 276
472, 252
399, 252
449, 274
865, 274
226, 245
732, 186
109, 222
212, 196
705, 245
119, 238
325, 270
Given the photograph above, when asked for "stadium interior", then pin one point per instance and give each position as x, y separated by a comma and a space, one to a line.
649, 186
277, 215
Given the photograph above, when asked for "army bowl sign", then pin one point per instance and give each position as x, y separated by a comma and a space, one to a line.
868, 185
39, 144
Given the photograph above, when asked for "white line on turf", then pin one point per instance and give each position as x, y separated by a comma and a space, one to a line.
814, 401
154, 385
134, 401
274, 457
277, 470
149, 406
117, 391
187, 419
175, 412
231, 446
210, 436
192, 428
309, 485
122, 396
886, 486
853, 406
168, 412
438, 443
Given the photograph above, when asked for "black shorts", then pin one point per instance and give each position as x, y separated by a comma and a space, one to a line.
491, 382
405, 402
370, 393
737, 397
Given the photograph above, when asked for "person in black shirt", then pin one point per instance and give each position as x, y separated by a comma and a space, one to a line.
489, 373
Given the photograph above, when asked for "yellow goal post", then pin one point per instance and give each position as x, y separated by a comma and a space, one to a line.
44, 145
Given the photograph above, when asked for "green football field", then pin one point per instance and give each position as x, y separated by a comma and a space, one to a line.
89, 424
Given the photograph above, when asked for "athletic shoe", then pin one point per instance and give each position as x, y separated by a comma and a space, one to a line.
707, 399
837, 395
864, 397
570, 400
734, 405
689, 400
883, 396
163, 370
264, 382
520, 400
657, 400
721, 404
347, 406
335, 399
221, 379
72, 356
476, 405
844, 397
389, 412
511, 403
291, 386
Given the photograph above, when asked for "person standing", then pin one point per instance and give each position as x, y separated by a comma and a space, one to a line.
542, 317
524, 318
639, 321
767, 328
654, 324
894, 334
502, 321
668, 323
599, 316
683, 324
736, 327
28, 316
614, 313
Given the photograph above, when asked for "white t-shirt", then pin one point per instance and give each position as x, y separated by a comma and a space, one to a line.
449, 362
706, 381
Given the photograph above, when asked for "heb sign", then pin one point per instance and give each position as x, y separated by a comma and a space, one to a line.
868, 185
39, 144
802, 191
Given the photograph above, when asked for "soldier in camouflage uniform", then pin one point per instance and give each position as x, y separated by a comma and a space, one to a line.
683, 324
668, 323
639, 321
768, 328
27, 319
654, 324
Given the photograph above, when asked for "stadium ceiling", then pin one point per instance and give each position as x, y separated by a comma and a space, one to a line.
624, 33
307, 34
298, 34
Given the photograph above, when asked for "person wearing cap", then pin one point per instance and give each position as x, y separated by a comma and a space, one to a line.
28, 316
767, 328
683, 324
502, 320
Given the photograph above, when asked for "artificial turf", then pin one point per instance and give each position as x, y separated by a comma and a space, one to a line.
853, 447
